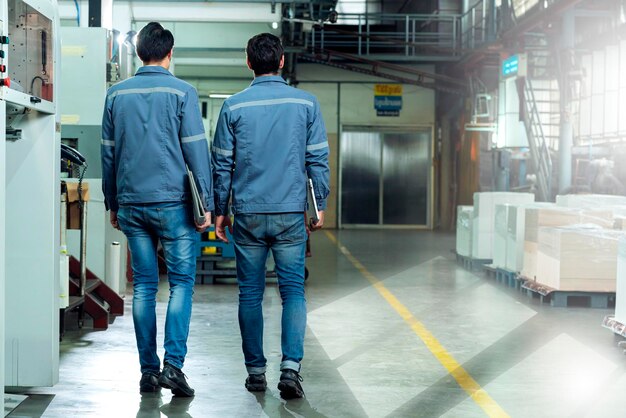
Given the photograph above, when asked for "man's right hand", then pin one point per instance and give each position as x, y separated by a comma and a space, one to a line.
114, 221
221, 223
207, 223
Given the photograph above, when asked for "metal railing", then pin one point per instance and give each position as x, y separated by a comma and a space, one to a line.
397, 34
474, 26
411, 34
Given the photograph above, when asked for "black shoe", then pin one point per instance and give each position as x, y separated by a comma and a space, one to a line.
173, 378
289, 385
256, 383
149, 382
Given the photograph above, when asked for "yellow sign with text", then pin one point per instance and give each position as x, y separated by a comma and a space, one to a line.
388, 89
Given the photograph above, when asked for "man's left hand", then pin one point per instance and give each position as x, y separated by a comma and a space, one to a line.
207, 223
319, 224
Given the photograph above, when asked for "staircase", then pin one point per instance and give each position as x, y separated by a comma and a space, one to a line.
99, 301
538, 142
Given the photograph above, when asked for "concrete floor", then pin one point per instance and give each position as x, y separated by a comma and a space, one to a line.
362, 358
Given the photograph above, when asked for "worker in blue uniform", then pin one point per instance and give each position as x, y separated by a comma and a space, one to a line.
269, 139
151, 131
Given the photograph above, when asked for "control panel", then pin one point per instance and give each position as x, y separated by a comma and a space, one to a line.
29, 50
5, 80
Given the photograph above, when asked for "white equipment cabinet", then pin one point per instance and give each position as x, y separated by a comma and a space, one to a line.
86, 57
32, 225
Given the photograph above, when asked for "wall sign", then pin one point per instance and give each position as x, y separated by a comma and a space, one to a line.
388, 99
515, 65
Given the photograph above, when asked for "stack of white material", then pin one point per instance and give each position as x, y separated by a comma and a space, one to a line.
464, 230
554, 217
620, 223
590, 201
515, 235
483, 221
620, 298
501, 223
578, 258
617, 204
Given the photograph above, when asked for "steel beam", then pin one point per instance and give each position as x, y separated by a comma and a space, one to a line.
403, 75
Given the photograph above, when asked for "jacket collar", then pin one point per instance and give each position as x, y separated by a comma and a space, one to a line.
152, 69
268, 79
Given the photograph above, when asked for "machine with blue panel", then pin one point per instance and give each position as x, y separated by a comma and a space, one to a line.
216, 259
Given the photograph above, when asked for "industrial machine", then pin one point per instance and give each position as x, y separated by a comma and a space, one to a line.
30, 161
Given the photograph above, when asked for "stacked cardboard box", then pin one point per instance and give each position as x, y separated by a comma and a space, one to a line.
620, 298
464, 230
483, 219
578, 258
72, 202
515, 235
554, 217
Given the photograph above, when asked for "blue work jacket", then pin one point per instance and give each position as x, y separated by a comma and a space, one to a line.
268, 139
151, 130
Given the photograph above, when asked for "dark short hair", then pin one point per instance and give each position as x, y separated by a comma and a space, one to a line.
154, 42
264, 53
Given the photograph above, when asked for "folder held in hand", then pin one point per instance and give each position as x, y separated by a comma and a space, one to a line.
196, 200
312, 213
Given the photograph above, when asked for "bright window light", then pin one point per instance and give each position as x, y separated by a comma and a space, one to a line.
121, 38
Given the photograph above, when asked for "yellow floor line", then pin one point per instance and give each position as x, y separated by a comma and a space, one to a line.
463, 378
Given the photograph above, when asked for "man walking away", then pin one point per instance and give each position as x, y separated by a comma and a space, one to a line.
152, 130
269, 138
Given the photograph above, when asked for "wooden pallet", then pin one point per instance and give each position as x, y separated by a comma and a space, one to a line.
508, 278
567, 298
618, 328
614, 325
472, 264
490, 271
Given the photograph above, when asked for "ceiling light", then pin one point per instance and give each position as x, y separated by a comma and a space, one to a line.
219, 95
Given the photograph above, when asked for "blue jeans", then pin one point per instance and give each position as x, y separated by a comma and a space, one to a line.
254, 236
172, 224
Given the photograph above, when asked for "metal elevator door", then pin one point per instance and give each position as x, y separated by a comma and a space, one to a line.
386, 178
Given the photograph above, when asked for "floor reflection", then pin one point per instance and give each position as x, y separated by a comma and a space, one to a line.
152, 406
